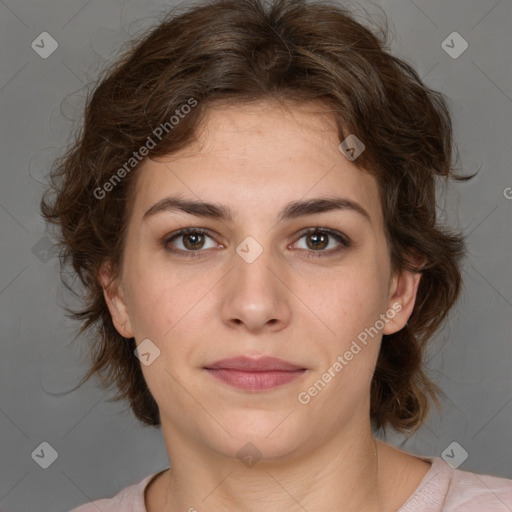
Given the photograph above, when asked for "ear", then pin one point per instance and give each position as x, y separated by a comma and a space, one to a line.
403, 290
115, 299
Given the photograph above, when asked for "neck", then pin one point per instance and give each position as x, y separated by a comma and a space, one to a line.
323, 478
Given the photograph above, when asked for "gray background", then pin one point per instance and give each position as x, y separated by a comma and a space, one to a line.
101, 447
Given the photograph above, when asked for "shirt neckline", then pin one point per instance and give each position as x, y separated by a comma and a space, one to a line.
140, 500
437, 467
437, 476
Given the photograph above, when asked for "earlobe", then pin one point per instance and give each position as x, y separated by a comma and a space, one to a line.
401, 303
116, 303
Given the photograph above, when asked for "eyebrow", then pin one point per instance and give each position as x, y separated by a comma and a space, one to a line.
291, 211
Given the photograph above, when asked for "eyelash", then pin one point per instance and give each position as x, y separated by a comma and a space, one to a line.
339, 237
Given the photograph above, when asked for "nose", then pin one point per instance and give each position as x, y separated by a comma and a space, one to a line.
255, 296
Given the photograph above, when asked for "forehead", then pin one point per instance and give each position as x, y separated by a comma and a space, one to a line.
255, 158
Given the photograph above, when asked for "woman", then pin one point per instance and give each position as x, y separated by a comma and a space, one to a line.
251, 209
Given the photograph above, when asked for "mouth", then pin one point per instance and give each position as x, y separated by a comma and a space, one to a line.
254, 374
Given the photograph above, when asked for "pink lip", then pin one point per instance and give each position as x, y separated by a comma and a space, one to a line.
254, 374
262, 364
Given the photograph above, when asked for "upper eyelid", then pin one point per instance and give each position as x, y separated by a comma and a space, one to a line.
186, 231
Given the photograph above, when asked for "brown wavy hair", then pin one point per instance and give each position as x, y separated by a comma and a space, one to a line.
246, 51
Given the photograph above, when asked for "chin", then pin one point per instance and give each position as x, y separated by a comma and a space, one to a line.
271, 435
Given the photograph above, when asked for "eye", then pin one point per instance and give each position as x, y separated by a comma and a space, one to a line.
319, 242
188, 240
320, 239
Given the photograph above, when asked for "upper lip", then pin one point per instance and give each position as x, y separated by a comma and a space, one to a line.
249, 364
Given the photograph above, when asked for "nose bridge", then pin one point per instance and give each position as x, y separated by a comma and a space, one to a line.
252, 265
253, 294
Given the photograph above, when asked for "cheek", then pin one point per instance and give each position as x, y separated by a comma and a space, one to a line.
351, 300
159, 297
351, 307
151, 309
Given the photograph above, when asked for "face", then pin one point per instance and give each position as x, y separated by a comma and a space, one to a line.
289, 261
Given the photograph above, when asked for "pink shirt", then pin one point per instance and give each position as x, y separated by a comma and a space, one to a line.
443, 489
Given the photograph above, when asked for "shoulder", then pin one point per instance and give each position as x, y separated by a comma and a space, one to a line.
129, 499
475, 491
444, 489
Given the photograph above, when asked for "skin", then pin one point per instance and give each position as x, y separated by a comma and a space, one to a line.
306, 310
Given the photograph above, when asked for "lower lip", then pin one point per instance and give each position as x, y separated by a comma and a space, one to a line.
254, 381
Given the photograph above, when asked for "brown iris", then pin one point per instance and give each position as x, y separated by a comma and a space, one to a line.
197, 240
320, 240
